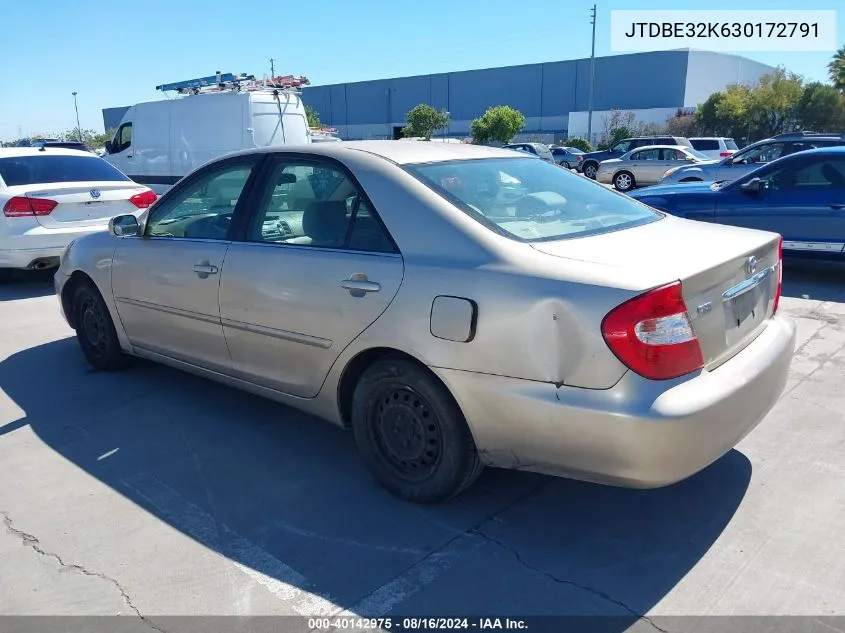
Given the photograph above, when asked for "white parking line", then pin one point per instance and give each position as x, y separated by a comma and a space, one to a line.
282, 581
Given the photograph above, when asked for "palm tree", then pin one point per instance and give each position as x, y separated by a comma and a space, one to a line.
836, 69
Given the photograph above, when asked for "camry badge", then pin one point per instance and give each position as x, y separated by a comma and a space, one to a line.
751, 265
95, 193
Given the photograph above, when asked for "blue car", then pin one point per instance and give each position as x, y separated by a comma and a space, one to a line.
800, 196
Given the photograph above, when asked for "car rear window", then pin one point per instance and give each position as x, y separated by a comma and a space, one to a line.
531, 200
731, 144
42, 169
702, 144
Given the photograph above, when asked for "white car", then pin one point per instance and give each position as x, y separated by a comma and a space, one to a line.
49, 197
714, 146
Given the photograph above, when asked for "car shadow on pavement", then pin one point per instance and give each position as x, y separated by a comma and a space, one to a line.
284, 494
819, 281
26, 284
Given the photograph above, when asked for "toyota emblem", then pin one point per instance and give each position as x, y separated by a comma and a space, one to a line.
95, 193
751, 265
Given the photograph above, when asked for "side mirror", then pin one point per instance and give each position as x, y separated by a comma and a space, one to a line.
729, 161
108, 147
124, 226
752, 186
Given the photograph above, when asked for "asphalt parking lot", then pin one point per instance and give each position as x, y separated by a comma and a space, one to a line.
152, 492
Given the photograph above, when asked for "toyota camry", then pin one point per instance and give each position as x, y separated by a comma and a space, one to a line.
455, 306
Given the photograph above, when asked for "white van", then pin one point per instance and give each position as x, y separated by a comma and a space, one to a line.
159, 142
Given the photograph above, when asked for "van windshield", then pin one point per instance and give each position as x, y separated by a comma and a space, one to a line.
531, 200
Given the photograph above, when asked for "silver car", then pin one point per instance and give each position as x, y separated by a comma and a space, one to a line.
645, 165
454, 305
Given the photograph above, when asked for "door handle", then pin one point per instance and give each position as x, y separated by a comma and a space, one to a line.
203, 269
359, 282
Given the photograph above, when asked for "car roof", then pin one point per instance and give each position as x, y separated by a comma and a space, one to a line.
396, 151
710, 138
14, 152
642, 147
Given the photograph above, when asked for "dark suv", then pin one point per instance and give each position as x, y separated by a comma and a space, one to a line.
588, 163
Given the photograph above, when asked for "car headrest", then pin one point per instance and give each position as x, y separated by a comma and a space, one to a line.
325, 222
832, 175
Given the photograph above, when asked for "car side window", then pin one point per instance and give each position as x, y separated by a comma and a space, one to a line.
647, 154
317, 205
827, 174
759, 155
202, 209
123, 138
622, 146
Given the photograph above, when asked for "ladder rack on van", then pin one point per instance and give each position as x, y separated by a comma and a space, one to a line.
228, 81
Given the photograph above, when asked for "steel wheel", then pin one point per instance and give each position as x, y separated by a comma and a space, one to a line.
590, 171
407, 432
94, 326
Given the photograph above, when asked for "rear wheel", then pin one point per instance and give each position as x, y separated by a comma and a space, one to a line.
590, 170
411, 432
623, 181
95, 330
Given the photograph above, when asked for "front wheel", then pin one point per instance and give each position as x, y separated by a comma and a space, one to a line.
95, 330
623, 181
590, 170
411, 433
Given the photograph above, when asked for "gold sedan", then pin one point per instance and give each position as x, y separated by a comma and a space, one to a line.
646, 165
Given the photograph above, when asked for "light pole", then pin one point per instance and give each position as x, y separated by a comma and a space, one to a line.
592, 78
78, 127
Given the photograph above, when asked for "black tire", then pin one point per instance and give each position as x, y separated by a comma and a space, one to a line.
95, 330
411, 432
624, 181
590, 170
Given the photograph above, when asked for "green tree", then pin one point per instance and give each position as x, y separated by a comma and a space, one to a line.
772, 103
820, 108
616, 126
424, 120
726, 113
93, 139
499, 123
313, 117
683, 124
581, 143
836, 69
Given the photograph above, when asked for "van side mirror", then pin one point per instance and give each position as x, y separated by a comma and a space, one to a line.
124, 226
108, 147
752, 186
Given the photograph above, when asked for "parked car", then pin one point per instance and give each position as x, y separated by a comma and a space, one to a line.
557, 326
714, 146
566, 156
800, 196
751, 157
588, 163
645, 166
54, 143
538, 149
52, 196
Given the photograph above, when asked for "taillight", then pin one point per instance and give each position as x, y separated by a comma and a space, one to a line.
144, 199
652, 334
780, 275
21, 206
580, 158
723, 154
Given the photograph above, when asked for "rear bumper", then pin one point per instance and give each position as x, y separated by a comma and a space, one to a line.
639, 433
22, 249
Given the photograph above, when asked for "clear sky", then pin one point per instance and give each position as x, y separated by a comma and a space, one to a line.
114, 52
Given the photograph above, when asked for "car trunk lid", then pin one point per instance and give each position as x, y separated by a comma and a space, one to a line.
729, 276
85, 203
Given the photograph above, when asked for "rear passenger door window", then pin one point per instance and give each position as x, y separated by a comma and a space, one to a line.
317, 205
